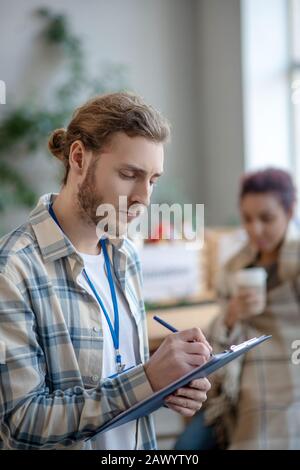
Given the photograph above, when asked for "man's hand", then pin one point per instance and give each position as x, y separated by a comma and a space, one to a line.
179, 354
188, 400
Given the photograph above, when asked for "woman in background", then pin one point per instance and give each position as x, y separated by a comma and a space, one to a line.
254, 402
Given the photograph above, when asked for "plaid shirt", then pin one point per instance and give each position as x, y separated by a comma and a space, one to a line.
51, 342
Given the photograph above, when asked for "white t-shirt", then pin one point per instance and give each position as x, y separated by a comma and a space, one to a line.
122, 437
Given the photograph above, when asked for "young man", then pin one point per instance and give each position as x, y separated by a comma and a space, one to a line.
73, 341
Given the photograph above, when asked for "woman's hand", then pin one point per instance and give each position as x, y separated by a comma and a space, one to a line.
241, 306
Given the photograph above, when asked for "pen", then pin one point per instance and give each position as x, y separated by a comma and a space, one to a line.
165, 324
168, 326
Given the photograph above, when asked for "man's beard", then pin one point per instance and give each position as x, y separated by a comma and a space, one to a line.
88, 202
87, 198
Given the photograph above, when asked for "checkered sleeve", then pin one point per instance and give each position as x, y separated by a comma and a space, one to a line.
31, 415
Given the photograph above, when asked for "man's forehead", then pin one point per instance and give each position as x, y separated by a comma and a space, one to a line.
140, 155
143, 170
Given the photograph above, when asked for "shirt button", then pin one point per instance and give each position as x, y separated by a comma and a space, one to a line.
95, 329
95, 378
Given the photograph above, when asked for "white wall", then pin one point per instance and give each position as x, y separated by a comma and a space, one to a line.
220, 124
183, 56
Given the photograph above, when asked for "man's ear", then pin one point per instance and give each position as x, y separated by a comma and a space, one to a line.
77, 157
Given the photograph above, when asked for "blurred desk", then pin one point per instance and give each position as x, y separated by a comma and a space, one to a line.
183, 317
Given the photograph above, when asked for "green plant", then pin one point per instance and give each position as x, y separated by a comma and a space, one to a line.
24, 128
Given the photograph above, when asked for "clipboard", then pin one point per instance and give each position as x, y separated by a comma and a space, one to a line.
155, 401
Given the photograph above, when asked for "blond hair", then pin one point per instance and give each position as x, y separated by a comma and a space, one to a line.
96, 121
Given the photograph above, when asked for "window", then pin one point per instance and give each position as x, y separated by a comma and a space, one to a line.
266, 87
295, 89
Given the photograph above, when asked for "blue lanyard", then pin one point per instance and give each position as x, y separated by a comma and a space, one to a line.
114, 330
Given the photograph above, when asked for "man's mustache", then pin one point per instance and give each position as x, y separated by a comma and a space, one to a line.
134, 210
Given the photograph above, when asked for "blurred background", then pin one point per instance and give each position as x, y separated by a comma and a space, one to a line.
226, 73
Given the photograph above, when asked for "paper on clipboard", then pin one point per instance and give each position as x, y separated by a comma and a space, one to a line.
152, 403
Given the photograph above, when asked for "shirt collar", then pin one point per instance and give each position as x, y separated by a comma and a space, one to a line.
53, 243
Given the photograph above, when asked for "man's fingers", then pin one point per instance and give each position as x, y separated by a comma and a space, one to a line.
185, 402
197, 348
192, 393
195, 360
201, 384
183, 411
194, 334
188, 400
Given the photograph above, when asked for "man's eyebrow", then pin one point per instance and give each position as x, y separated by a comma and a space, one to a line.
138, 170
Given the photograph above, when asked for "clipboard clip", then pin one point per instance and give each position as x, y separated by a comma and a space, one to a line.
242, 345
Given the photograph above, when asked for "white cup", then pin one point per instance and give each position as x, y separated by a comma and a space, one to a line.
253, 279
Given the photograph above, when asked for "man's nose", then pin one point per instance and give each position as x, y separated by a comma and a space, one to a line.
142, 194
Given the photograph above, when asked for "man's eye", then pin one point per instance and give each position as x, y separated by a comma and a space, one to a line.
153, 183
127, 176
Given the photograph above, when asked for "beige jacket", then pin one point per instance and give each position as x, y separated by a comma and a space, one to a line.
255, 400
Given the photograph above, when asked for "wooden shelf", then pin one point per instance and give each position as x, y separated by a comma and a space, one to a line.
206, 297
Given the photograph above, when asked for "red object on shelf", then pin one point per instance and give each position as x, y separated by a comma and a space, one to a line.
161, 231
